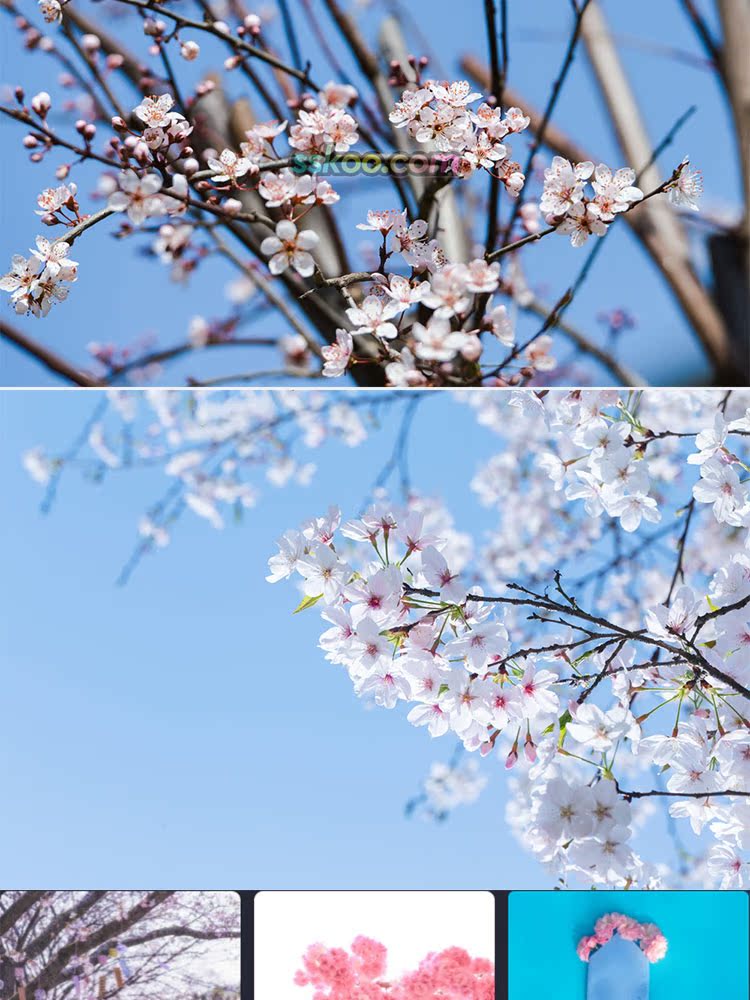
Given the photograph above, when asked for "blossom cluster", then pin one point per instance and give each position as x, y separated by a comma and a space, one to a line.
448, 786
601, 669
439, 113
648, 936
566, 205
186, 174
400, 617
37, 282
324, 124
450, 291
217, 450
361, 973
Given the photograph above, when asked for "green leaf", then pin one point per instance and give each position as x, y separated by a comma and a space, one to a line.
564, 720
307, 602
584, 656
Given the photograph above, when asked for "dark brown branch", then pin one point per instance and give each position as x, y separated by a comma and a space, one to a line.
49, 359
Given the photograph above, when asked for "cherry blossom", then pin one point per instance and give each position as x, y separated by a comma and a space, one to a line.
336, 974
337, 355
155, 111
602, 674
138, 196
572, 211
54, 258
688, 188
229, 167
373, 317
289, 248
471, 666
459, 302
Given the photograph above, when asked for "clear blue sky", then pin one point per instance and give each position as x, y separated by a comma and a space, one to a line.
184, 729
111, 277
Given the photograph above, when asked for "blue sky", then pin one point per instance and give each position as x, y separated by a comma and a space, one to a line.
185, 730
120, 297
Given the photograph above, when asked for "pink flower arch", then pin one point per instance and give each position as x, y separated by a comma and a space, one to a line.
648, 936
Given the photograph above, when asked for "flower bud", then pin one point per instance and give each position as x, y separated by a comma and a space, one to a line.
41, 103
472, 349
153, 27
90, 44
142, 153
232, 206
190, 50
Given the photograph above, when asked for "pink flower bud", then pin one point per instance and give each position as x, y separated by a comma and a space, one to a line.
512, 759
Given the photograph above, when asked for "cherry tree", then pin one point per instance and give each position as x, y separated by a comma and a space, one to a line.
245, 167
102, 944
592, 646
